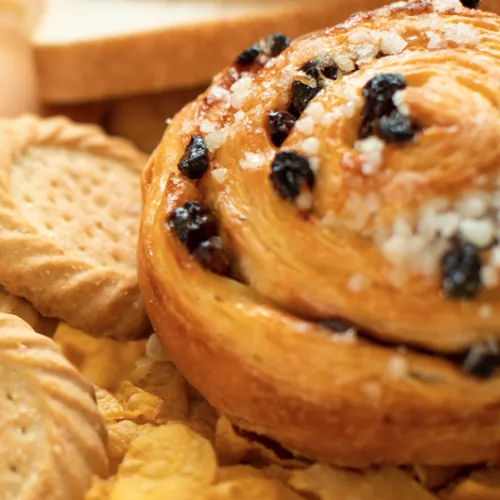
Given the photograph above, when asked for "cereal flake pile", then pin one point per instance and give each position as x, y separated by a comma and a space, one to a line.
166, 442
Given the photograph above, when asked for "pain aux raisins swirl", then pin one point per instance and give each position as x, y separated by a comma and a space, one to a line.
320, 247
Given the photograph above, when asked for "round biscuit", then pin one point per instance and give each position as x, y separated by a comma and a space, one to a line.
51, 434
70, 206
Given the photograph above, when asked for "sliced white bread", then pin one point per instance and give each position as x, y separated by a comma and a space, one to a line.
99, 49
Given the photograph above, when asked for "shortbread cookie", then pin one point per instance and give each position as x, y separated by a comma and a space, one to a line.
10, 304
51, 434
69, 217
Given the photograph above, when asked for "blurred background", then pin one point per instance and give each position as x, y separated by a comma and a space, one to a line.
128, 65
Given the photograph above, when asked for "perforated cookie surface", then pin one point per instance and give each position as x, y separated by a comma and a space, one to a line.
70, 214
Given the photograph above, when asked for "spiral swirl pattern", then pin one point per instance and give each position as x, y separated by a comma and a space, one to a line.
354, 180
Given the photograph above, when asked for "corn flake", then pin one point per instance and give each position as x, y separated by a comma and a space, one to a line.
139, 405
202, 418
250, 488
111, 410
162, 379
237, 472
233, 448
100, 489
480, 485
327, 483
105, 362
120, 437
170, 461
432, 477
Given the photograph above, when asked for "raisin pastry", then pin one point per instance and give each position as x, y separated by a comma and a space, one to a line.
319, 247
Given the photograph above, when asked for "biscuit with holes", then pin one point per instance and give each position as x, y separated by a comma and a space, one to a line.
10, 304
51, 433
69, 216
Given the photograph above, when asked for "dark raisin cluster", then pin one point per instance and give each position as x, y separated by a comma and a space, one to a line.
249, 56
272, 46
316, 69
280, 125
482, 360
396, 128
290, 171
276, 43
194, 161
302, 95
380, 116
195, 226
461, 272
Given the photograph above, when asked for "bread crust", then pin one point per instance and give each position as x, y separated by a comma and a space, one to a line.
153, 61
253, 345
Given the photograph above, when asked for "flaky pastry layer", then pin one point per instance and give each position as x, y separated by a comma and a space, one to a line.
352, 178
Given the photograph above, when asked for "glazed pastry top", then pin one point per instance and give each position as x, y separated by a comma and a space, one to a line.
364, 164
322, 224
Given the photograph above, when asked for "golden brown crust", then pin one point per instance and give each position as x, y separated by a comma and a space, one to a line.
246, 344
70, 207
52, 433
83, 71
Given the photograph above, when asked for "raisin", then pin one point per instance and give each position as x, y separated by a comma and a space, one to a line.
193, 224
482, 360
280, 125
396, 127
248, 56
380, 90
212, 257
289, 171
312, 69
471, 4
336, 325
378, 93
315, 70
331, 72
302, 95
461, 272
368, 122
276, 44
194, 161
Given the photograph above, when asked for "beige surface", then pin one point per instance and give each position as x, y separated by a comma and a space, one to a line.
94, 50
51, 432
70, 210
